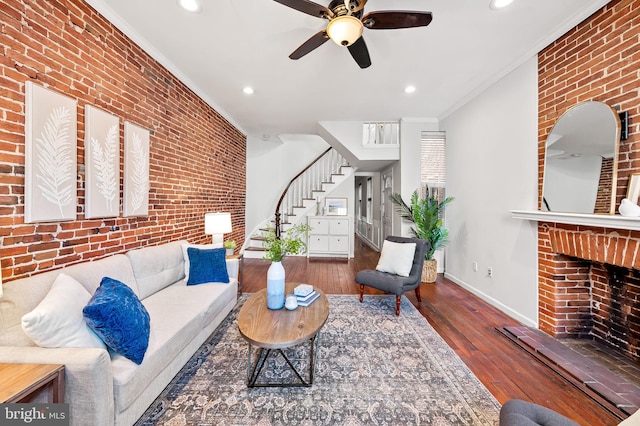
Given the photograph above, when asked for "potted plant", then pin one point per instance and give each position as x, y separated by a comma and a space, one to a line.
230, 245
426, 216
292, 241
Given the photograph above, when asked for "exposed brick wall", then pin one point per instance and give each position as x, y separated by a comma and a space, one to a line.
597, 60
603, 197
197, 158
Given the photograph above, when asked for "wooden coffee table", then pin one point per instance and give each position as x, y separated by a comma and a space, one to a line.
276, 330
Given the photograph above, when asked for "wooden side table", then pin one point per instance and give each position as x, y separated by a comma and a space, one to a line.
20, 383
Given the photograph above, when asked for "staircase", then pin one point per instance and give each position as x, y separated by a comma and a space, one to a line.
304, 193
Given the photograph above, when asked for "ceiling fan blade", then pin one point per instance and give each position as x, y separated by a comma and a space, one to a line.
391, 19
360, 53
316, 40
308, 7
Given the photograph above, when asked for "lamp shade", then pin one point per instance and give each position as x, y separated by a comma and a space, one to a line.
345, 30
217, 223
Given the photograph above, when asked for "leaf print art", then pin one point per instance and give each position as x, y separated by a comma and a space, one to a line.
54, 164
106, 168
139, 173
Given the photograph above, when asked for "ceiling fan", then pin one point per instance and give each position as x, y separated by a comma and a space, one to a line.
346, 23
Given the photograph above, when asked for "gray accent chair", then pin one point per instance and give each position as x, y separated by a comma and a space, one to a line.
516, 412
396, 284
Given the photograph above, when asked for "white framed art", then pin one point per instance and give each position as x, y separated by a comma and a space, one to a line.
136, 171
102, 163
51, 122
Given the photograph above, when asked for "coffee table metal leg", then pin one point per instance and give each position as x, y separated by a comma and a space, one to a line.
254, 371
252, 376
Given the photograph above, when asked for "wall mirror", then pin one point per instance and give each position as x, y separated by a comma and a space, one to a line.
581, 161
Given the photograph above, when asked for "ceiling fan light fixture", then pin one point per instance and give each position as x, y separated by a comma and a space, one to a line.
345, 30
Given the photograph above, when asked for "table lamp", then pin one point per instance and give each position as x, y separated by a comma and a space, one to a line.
216, 225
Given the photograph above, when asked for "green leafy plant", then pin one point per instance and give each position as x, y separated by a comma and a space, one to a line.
292, 241
230, 244
426, 216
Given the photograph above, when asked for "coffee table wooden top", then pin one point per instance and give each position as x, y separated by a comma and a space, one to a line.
280, 329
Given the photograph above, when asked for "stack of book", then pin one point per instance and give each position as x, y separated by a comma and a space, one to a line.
305, 294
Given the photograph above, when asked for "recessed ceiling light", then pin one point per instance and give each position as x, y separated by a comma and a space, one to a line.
248, 90
499, 4
409, 89
193, 6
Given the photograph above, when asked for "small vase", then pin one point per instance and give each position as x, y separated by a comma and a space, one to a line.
275, 286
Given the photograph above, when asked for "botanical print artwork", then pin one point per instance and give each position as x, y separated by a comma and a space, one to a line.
102, 162
136, 170
50, 155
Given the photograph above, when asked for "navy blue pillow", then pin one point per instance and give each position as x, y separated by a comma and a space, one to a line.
207, 266
116, 315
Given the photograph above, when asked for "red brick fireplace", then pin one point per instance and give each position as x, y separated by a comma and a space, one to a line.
589, 284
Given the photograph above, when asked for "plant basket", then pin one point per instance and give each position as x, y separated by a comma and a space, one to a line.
429, 271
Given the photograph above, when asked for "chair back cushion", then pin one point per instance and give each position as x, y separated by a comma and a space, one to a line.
418, 258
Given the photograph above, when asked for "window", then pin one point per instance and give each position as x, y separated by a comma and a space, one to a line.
433, 164
359, 203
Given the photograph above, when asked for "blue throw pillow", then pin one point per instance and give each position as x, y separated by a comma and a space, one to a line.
115, 313
207, 266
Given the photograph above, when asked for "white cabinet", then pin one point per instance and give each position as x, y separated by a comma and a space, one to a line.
329, 236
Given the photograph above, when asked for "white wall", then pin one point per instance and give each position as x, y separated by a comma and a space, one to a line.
270, 167
492, 153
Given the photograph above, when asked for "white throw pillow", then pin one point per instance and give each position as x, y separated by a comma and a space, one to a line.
57, 321
396, 258
186, 256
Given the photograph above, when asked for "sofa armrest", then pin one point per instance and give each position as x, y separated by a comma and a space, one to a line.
87, 378
233, 266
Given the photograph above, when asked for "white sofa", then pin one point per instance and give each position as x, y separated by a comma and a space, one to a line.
104, 388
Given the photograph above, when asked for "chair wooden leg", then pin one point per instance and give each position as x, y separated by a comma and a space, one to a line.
361, 291
397, 305
417, 290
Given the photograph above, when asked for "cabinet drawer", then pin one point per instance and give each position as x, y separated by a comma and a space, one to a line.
339, 227
339, 244
318, 226
318, 243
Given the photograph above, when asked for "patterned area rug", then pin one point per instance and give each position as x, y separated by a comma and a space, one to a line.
373, 368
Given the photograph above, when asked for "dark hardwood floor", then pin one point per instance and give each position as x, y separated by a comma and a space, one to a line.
466, 323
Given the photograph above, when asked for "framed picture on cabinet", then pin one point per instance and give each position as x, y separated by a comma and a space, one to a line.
335, 206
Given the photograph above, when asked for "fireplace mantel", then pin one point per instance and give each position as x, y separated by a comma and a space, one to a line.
604, 221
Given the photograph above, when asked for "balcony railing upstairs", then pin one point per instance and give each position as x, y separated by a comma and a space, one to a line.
380, 134
307, 185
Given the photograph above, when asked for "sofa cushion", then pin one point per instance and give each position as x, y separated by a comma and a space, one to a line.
207, 266
191, 307
156, 267
57, 321
185, 255
396, 258
24, 294
117, 316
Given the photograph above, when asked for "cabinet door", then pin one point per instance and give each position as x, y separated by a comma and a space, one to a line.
318, 226
339, 227
318, 243
339, 243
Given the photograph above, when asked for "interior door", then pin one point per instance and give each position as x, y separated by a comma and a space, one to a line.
386, 207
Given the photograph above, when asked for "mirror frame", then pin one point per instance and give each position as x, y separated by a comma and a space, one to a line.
614, 173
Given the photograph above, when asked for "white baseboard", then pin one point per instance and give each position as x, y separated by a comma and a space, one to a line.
493, 302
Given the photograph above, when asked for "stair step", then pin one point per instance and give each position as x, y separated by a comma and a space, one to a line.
253, 249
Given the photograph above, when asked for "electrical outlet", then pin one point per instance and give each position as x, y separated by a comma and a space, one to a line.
490, 271
475, 266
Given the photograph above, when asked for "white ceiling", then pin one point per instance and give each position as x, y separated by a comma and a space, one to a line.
236, 43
